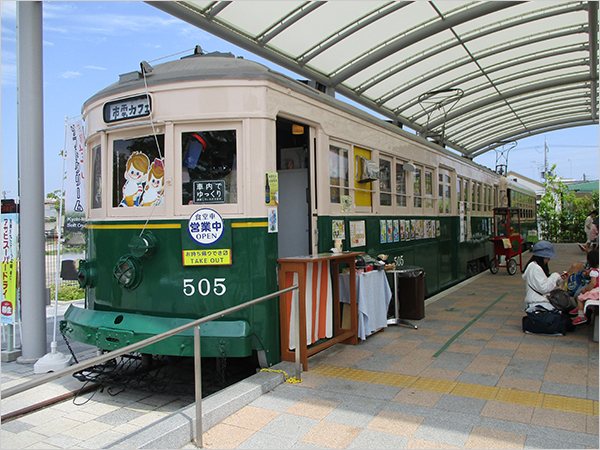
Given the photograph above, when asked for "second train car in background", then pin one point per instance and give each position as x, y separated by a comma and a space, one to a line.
202, 172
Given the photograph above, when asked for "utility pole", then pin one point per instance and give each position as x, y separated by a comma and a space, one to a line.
545, 161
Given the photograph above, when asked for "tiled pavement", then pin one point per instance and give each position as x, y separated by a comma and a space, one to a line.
91, 420
468, 377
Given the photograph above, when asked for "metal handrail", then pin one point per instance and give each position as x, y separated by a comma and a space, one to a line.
159, 337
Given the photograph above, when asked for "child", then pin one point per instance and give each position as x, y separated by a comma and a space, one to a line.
592, 259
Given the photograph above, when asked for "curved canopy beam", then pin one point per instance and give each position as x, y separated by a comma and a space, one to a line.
505, 55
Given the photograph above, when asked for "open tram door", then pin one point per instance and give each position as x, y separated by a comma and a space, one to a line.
507, 240
294, 178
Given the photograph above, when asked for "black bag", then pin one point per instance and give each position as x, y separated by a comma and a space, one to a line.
558, 298
543, 321
561, 300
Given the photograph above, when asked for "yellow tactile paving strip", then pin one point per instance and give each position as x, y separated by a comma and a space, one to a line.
514, 396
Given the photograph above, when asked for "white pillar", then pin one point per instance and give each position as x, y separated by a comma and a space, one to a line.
30, 122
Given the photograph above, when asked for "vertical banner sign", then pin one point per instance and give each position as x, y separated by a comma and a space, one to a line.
10, 230
75, 180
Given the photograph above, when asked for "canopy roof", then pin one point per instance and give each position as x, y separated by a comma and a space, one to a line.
471, 76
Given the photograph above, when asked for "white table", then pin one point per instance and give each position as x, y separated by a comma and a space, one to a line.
373, 295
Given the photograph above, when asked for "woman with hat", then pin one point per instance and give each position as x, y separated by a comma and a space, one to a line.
537, 275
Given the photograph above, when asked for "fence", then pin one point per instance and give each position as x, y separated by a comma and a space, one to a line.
53, 265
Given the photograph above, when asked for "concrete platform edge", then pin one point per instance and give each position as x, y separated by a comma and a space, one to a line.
179, 428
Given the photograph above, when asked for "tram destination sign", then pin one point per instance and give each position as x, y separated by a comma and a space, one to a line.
127, 108
209, 191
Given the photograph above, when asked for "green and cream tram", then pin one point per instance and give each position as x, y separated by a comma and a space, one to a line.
204, 171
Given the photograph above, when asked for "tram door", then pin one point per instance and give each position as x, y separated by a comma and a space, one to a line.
294, 192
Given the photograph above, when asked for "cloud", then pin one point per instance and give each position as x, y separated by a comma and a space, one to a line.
9, 10
9, 74
69, 74
96, 20
95, 68
9, 67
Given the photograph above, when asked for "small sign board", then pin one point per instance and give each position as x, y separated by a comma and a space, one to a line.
127, 108
213, 257
209, 191
206, 226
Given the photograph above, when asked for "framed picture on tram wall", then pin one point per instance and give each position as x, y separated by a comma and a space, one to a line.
357, 234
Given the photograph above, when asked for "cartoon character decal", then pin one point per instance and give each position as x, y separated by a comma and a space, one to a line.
154, 190
136, 174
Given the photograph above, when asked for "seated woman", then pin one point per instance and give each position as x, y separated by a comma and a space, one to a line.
538, 277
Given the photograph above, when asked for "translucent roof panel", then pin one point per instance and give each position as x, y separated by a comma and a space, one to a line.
400, 58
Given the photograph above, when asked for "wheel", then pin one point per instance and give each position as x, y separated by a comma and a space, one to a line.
493, 266
511, 266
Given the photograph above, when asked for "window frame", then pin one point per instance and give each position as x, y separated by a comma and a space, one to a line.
142, 212
223, 208
101, 142
388, 209
404, 209
345, 148
447, 182
429, 198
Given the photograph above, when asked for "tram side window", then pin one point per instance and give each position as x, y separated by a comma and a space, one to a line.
385, 182
138, 171
338, 173
476, 196
459, 191
428, 189
96, 178
444, 192
400, 185
417, 188
209, 167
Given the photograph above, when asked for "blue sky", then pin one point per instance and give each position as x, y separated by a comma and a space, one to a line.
88, 44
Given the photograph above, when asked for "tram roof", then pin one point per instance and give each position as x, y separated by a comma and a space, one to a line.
472, 76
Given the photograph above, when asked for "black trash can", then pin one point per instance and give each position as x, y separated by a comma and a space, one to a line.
411, 292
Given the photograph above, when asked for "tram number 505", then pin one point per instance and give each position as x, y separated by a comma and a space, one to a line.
204, 286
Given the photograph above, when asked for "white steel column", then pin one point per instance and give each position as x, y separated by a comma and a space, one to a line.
30, 121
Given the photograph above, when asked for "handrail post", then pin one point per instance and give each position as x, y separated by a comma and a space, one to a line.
297, 335
198, 385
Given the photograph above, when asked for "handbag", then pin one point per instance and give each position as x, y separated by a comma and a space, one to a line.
558, 298
544, 321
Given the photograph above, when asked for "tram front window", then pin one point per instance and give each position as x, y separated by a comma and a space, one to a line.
209, 167
138, 171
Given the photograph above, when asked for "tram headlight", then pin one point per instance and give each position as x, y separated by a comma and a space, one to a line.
128, 272
142, 245
86, 274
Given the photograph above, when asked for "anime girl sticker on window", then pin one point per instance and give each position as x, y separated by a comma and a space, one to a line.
155, 187
138, 172
136, 175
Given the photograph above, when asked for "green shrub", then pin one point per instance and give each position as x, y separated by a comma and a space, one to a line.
67, 293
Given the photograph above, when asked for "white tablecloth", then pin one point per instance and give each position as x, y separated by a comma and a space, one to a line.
373, 299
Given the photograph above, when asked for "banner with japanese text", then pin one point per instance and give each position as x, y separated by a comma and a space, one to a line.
75, 178
10, 239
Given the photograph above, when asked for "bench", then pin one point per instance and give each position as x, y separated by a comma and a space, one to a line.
593, 305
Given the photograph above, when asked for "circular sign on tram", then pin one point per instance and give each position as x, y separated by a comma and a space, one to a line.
206, 226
